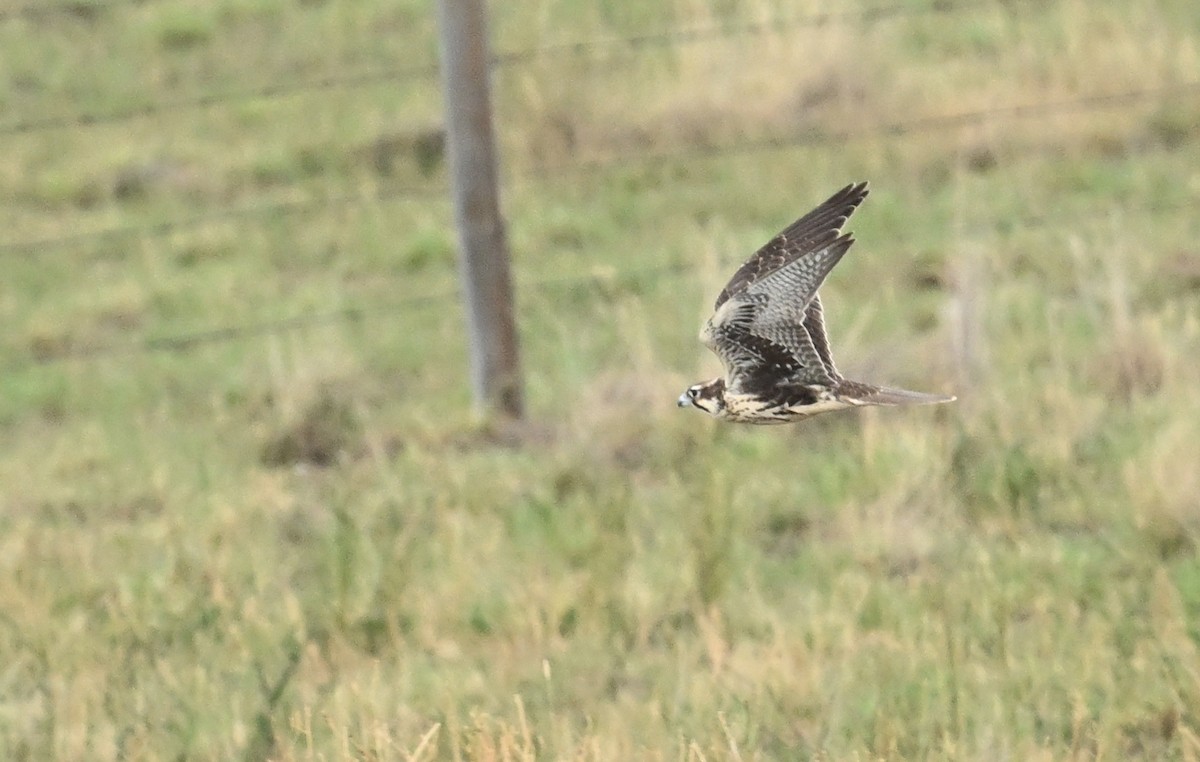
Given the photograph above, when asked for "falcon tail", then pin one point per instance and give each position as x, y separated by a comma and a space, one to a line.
889, 396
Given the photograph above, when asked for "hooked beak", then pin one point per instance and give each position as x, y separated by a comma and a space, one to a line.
684, 400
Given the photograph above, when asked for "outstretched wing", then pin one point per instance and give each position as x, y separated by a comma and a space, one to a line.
812, 232
768, 327
782, 298
762, 333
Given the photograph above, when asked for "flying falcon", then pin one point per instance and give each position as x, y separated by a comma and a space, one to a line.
769, 330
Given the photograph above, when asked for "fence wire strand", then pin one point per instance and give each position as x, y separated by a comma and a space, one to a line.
732, 29
208, 100
900, 128
234, 213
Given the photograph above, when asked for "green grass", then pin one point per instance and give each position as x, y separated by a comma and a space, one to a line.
301, 543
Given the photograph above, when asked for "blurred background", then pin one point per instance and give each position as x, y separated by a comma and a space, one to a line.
247, 510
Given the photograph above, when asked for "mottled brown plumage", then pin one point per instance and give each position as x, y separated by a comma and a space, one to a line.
768, 328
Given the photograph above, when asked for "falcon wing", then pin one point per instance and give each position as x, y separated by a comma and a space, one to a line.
762, 332
819, 227
768, 327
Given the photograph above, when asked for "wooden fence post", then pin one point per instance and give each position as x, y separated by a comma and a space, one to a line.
483, 256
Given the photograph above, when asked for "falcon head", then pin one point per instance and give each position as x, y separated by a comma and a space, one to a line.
709, 397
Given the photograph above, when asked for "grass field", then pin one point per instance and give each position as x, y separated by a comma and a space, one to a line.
293, 539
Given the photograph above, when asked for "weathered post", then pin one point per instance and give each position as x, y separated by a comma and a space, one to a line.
483, 254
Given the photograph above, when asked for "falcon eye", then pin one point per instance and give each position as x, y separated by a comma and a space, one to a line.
693, 392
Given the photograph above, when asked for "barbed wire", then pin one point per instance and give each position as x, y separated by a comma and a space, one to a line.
604, 277
635, 43
186, 341
739, 28
205, 100
248, 211
898, 128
